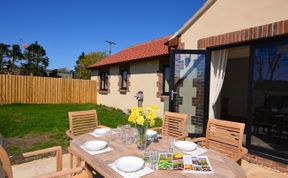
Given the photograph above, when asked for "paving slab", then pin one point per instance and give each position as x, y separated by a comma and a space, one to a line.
38, 167
257, 171
48, 165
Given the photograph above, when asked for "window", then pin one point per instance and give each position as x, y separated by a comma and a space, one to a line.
269, 129
124, 83
166, 79
124, 79
103, 80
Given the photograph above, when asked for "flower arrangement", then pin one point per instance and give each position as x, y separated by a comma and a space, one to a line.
143, 118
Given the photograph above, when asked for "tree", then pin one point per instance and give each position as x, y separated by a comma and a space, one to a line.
36, 60
15, 55
4, 55
85, 60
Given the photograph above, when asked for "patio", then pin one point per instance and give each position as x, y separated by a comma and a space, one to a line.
38, 167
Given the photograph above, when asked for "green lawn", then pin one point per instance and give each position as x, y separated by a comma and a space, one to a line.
33, 126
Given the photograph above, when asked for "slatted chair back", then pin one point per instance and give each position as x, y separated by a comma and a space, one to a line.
225, 137
5, 165
174, 124
82, 122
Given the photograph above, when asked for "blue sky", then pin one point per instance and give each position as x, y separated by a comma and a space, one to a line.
67, 27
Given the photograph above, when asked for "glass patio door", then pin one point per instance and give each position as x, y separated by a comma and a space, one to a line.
269, 99
189, 87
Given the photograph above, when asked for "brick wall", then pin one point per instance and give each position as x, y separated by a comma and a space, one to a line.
264, 31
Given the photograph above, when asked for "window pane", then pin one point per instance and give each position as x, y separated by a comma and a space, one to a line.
189, 83
103, 80
166, 79
124, 79
270, 95
106, 80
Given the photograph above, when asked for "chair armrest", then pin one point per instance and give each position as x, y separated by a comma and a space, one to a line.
156, 129
43, 151
199, 139
69, 134
183, 137
102, 126
56, 149
244, 151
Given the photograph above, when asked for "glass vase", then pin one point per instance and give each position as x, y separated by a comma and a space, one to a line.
141, 137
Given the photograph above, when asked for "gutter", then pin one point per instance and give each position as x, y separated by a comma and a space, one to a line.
193, 19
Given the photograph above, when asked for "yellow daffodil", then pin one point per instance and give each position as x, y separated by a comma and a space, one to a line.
140, 117
133, 116
134, 109
140, 109
152, 108
151, 115
140, 120
152, 122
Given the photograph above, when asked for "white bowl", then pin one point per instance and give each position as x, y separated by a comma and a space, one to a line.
101, 131
151, 133
185, 145
94, 145
129, 164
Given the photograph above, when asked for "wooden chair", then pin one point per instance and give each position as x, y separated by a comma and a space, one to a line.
225, 137
174, 124
77, 172
81, 122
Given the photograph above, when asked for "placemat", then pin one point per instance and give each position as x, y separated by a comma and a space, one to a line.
107, 149
95, 135
140, 173
198, 151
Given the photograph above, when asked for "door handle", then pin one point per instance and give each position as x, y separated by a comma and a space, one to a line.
172, 93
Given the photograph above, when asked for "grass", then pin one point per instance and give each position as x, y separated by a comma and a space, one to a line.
30, 127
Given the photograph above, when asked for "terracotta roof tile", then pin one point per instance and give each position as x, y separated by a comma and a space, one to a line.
137, 52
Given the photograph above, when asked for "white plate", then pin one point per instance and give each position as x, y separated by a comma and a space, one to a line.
101, 131
94, 145
185, 146
151, 133
129, 163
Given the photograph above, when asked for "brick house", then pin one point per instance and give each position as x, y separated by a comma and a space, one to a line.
137, 68
230, 61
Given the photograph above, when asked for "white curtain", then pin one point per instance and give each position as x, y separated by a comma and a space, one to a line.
217, 74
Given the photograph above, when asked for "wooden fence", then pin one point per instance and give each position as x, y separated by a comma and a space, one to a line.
38, 90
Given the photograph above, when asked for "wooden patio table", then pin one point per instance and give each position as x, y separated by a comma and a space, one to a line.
223, 166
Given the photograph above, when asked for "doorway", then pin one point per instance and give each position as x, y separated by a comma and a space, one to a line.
232, 101
255, 92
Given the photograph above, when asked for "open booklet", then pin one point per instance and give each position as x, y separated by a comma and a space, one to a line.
187, 163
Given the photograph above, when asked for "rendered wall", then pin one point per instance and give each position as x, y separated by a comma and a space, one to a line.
143, 77
226, 16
